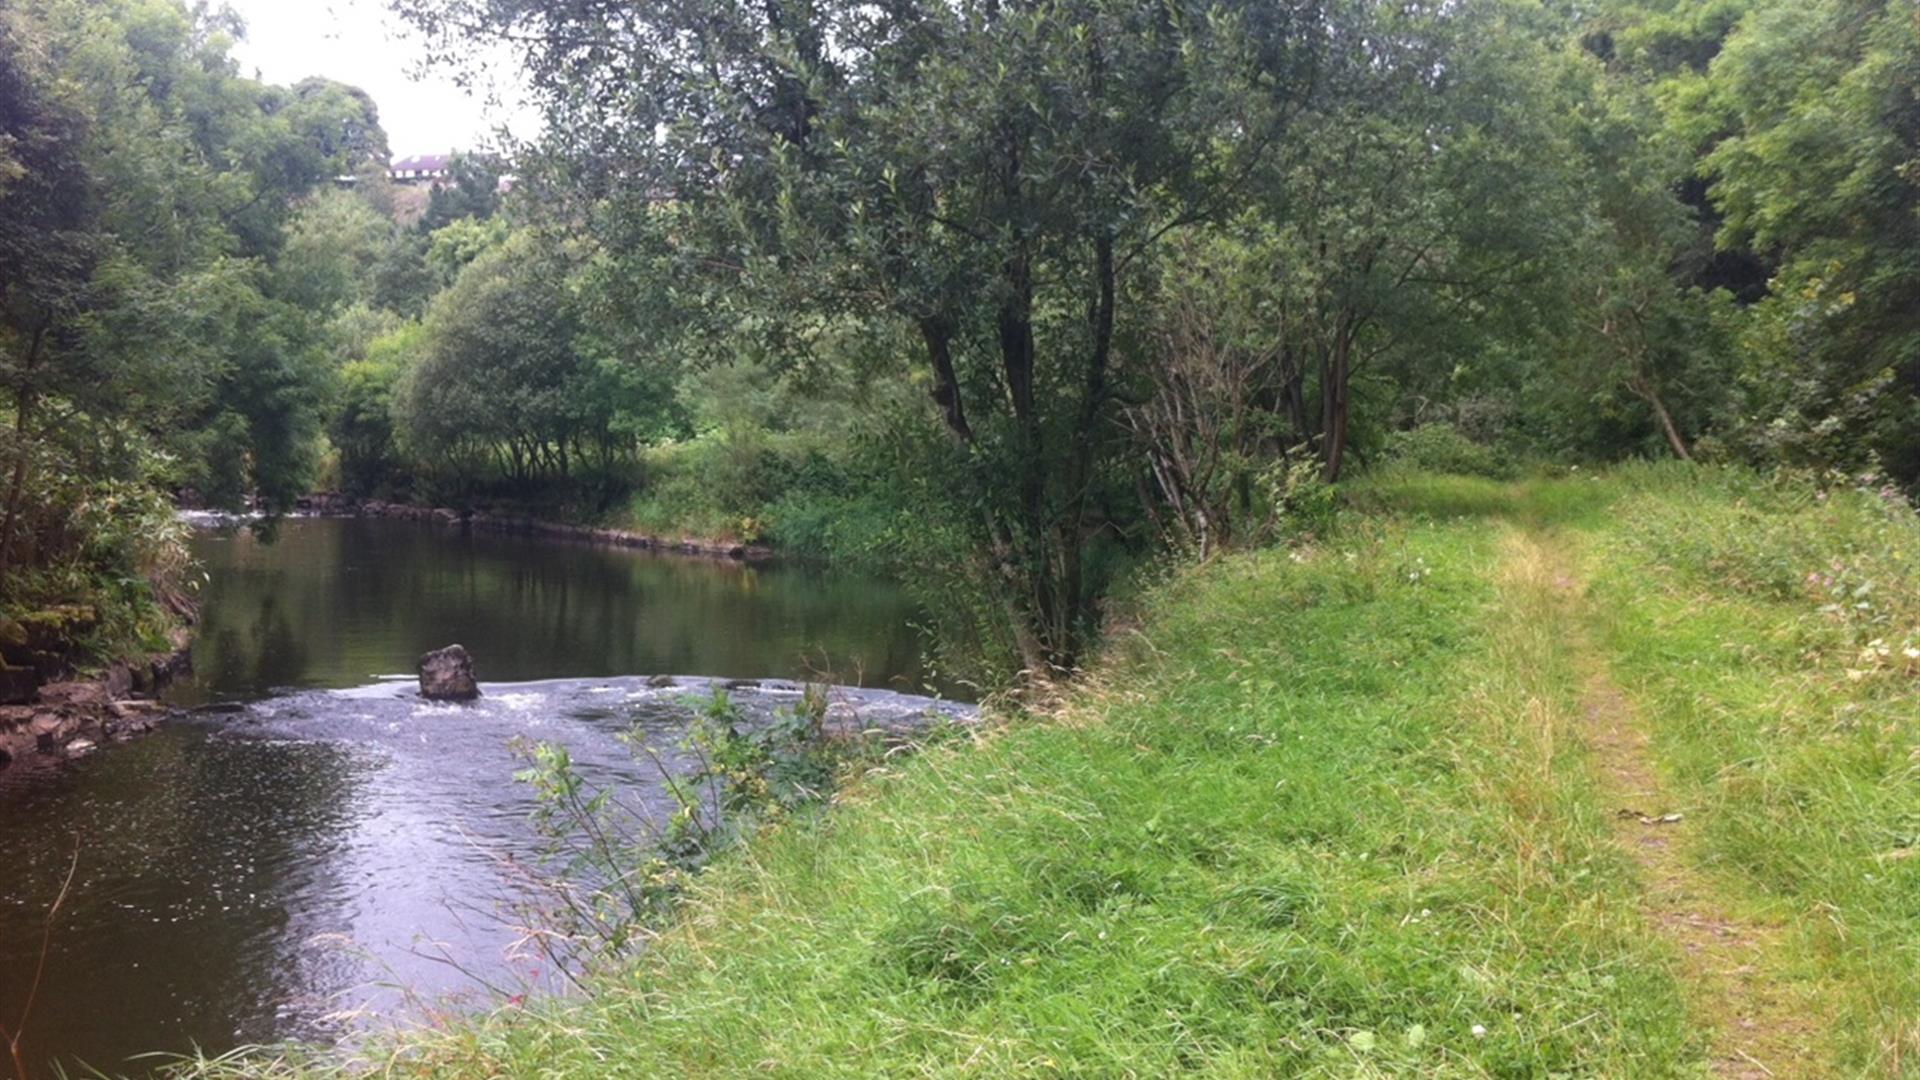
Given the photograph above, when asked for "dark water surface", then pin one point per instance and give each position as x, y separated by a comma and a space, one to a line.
335, 854
337, 603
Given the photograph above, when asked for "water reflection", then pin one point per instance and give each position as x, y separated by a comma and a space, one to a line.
337, 602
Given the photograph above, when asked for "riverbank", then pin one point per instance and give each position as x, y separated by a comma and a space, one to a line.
49, 710
334, 504
1524, 779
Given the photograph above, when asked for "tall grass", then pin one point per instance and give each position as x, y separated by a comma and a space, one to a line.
1765, 625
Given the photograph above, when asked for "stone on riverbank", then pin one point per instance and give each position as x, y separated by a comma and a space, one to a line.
447, 675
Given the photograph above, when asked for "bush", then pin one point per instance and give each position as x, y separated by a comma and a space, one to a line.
110, 543
791, 489
1441, 448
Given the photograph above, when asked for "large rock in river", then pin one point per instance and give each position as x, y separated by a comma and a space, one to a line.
447, 675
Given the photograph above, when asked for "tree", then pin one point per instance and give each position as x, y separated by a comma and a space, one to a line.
980, 176
1820, 101
502, 377
1204, 419
362, 428
1418, 217
47, 243
1645, 322
471, 190
333, 244
144, 193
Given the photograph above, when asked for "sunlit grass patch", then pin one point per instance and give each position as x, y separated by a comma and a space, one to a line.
1558, 498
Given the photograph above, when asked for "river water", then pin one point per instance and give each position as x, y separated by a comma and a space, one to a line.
338, 854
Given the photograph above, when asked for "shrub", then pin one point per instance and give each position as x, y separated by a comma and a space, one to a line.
1442, 448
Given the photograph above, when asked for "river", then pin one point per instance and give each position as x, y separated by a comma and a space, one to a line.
333, 853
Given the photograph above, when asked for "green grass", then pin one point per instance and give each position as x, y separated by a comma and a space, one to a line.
1796, 742
1331, 813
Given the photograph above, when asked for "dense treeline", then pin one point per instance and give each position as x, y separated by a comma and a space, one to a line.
1014, 294
1156, 270
150, 337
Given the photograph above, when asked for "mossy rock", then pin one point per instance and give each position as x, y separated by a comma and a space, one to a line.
55, 629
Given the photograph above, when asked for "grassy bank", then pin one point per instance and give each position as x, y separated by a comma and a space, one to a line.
1584, 776
1771, 634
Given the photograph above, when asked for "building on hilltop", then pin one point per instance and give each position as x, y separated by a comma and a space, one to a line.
421, 169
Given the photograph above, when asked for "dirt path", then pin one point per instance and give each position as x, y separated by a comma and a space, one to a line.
1758, 1028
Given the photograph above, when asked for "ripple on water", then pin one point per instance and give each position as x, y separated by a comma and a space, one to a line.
259, 875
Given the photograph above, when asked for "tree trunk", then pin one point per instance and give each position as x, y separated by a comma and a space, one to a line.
1293, 393
1027, 548
1001, 568
1066, 644
937, 332
1644, 389
1333, 392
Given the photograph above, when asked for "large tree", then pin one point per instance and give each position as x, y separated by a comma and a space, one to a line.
1819, 101
502, 375
977, 177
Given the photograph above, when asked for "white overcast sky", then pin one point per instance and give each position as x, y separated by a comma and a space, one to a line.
361, 42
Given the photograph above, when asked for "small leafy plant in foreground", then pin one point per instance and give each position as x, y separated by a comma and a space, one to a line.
612, 871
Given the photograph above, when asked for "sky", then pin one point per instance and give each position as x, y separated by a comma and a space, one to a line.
362, 43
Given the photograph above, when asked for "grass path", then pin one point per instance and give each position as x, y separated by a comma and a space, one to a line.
1758, 1027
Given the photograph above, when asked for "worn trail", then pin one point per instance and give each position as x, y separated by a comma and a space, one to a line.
1755, 1026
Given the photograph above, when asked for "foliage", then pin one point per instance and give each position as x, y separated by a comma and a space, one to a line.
332, 245
362, 428
1422, 212
1821, 102
1205, 427
612, 877
930, 148
111, 544
498, 381
148, 302
1018, 297
1441, 448
471, 192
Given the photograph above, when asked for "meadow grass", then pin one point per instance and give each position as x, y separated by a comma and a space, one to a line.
1764, 629
1342, 811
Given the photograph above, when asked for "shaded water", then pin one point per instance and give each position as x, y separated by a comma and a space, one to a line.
337, 603
339, 851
